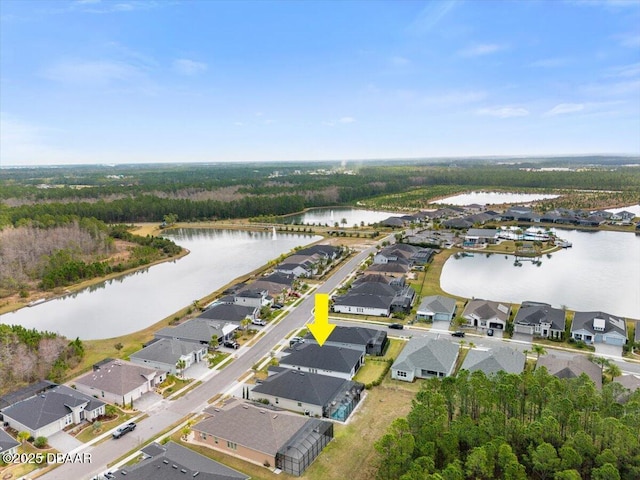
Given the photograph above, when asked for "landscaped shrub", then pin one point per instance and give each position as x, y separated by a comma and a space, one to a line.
40, 442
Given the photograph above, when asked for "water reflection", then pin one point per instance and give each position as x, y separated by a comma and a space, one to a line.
331, 216
600, 272
132, 302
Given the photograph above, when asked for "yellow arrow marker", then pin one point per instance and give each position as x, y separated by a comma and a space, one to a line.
321, 328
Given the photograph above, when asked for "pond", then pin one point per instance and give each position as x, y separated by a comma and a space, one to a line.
601, 272
135, 301
492, 198
329, 216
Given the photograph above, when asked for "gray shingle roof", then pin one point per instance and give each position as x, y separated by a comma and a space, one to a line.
492, 361
227, 312
282, 278
485, 309
427, 354
251, 426
196, 330
7, 442
584, 320
167, 350
438, 304
312, 355
571, 367
117, 376
176, 462
48, 407
533, 313
391, 267
630, 382
353, 335
310, 388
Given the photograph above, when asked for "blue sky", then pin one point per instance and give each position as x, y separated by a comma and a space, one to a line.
125, 81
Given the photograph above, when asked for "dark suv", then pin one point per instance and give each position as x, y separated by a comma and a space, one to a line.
458, 334
396, 326
231, 344
129, 427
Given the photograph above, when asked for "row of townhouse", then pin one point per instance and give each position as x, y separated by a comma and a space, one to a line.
309, 261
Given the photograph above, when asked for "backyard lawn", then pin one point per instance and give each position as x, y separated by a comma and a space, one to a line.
370, 372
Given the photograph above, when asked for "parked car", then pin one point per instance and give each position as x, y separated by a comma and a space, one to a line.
258, 321
277, 306
490, 332
231, 344
297, 339
123, 430
396, 326
458, 334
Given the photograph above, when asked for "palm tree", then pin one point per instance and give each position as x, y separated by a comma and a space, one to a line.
181, 365
526, 353
613, 370
538, 350
603, 362
244, 323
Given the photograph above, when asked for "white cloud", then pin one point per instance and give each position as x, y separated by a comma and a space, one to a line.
481, 49
100, 7
549, 63
92, 73
184, 66
564, 108
503, 112
430, 16
400, 61
347, 120
625, 71
613, 89
453, 97
630, 40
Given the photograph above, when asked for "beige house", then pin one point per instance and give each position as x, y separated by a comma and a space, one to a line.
268, 437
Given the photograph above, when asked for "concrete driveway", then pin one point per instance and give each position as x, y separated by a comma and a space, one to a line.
64, 442
146, 401
608, 350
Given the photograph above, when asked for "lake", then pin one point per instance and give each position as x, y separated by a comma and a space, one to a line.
491, 198
330, 216
601, 272
135, 301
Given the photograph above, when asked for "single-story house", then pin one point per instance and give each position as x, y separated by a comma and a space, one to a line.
310, 393
112, 380
425, 358
51, 411
281, 278
296, 269
422, 256
393, 222
393, 268
327, 251
368, 340
165, 353
486, 314
232, 312
630, 383
540, 319
599, 327
436, 308
375, 298
495, 360
379, 278
8, 444
200, 330
338, 362
172, 461
273, 288
264, 436
480, 236
25, 392
571, 368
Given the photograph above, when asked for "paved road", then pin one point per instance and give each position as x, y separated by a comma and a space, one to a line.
168, 412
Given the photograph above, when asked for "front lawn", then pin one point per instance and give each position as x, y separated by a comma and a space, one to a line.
173, 384
88, 433
217, 357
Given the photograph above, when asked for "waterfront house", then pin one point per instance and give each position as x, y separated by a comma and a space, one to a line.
436, 308
165, 353
480, 236
51, 411
571, 368
540, 319
374, 298
304, 269
599, 327
424, 357
486, 314
252, 297
201, 330
112, 380
172, 461
341, 362
224, 313
309, 393
264, 436
492, 361
368, 340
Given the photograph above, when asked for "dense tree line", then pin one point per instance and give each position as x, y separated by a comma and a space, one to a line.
27, 355
58, 251
517, 427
